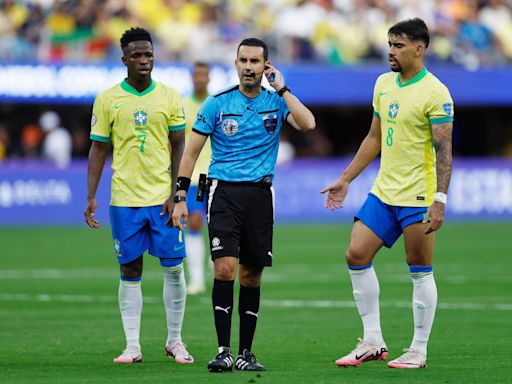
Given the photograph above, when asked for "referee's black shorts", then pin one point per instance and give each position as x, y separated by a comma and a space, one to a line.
240, 221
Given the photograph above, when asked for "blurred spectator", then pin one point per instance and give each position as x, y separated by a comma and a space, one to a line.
333, 31
57, 145
5, 142
81, 142
286, 151
31, 137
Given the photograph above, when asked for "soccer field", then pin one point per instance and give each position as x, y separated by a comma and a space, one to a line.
59, 320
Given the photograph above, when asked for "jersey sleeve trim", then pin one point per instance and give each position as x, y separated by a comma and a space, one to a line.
376, 114
200, 132
99, 138
441, 120
174, 128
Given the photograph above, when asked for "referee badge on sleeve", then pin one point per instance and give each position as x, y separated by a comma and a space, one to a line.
270, 122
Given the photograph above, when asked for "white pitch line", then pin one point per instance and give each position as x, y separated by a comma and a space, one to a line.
267, 303
271, 277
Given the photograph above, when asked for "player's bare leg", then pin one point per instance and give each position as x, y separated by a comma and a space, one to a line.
364, 245
419, 249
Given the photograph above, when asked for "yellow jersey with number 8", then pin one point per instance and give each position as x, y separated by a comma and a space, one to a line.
407, 174
138, 123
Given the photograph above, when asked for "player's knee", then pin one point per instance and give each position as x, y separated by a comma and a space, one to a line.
355, 257
132, 270
128, 273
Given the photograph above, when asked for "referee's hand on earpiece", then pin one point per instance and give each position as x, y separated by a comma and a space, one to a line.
274, 77
180, 215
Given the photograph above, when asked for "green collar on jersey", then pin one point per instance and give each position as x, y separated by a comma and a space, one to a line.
420, 75
128, 88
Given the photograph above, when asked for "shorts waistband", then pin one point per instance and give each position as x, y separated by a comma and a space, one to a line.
264, 183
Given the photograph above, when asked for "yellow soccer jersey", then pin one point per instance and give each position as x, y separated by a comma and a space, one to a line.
192, 106
407, 174
138, 124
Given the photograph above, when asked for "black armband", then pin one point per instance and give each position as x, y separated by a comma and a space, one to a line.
283, 90
182, 184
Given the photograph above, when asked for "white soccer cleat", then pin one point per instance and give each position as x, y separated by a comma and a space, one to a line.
195, 289
130, 355
178, 350
410, 359
363, 352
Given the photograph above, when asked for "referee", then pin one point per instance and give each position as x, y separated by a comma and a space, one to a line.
244, 123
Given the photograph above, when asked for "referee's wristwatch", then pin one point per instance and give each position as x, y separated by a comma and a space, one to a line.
178, 198
283, 90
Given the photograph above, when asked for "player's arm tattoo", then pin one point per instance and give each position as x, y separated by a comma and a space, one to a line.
442, 138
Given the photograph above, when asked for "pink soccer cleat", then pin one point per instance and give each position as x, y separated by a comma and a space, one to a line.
130, 355
363, 352
178, 350
410, 359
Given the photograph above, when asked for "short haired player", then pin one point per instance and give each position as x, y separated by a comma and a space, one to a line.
412, 130
141, 117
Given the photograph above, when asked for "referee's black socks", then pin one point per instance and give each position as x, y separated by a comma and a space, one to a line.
222, 301
248, 308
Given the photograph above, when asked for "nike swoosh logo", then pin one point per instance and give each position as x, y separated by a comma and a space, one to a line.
423, 306
118, 106
178, 247
359, 357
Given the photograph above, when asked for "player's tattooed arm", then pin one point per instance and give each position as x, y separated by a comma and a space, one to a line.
442, 138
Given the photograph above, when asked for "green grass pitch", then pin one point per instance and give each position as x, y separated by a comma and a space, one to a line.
59, 321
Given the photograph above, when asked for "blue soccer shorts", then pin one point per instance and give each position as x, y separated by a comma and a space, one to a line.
193, 205
136, 230
388, 221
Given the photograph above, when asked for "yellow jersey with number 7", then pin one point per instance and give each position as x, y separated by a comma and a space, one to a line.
138, 123
407, 174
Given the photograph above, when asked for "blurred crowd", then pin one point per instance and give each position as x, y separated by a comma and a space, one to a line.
471, 33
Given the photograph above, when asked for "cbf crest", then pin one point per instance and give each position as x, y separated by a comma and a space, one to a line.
141, 118
393, 109
229, 127
270, 122
447, 108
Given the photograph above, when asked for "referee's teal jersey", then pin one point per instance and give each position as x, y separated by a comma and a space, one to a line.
244, 133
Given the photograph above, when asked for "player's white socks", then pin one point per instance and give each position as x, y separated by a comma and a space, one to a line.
130, 304
424, 301
175, 294
366, 290
195, 258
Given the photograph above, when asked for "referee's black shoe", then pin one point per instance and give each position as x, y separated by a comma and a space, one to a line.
247, 362
222, 362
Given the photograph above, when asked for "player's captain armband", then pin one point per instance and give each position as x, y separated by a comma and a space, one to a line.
441, 197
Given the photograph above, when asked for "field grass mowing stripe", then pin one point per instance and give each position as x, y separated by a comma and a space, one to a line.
268, 303
270, 276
